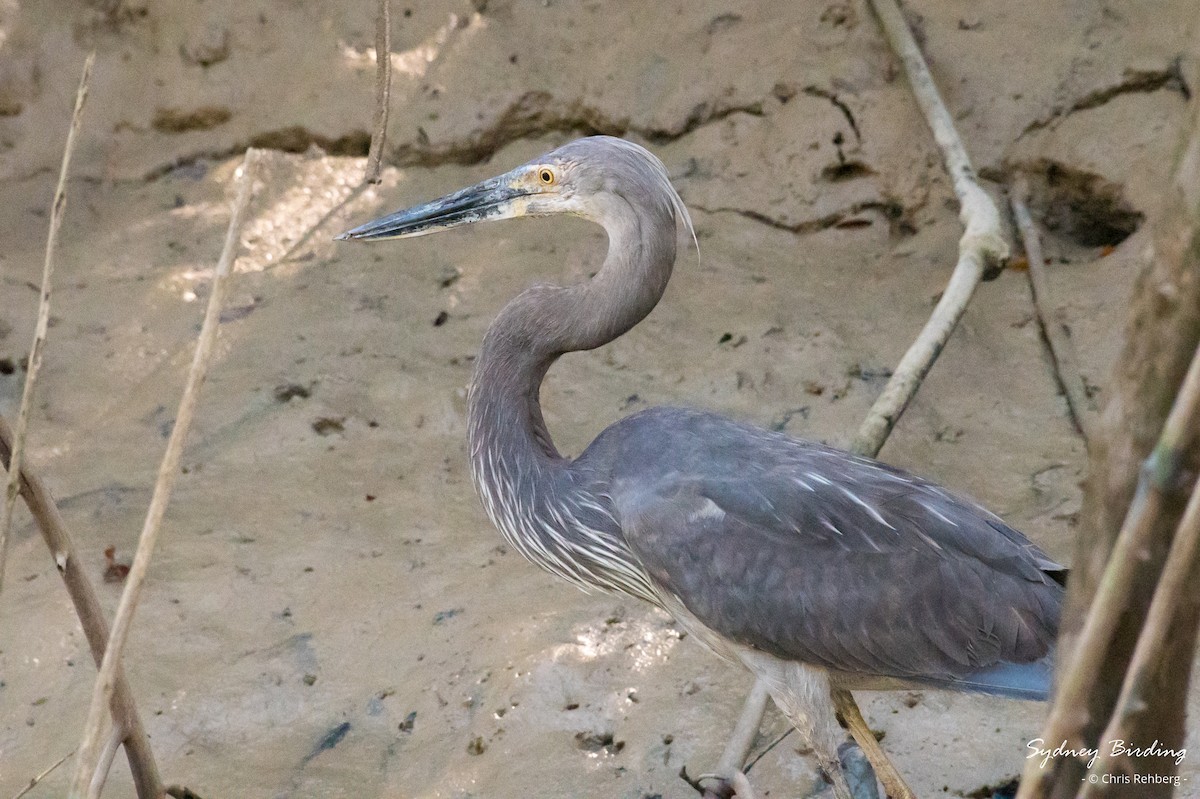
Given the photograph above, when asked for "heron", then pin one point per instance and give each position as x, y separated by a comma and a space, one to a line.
812, 567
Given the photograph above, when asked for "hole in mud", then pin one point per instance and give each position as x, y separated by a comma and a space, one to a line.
1081, 207
845, 170
598, 742
1001, 790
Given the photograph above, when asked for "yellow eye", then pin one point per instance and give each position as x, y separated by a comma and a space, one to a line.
546, 176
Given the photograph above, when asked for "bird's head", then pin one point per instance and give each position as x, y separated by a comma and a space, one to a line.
592, 178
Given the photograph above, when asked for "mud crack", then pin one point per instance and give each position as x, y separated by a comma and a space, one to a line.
1136, 81
537, 113
839, 104
849, 217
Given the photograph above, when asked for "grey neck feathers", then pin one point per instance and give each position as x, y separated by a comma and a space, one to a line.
545, 322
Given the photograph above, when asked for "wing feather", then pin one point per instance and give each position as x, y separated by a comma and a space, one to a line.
814, 554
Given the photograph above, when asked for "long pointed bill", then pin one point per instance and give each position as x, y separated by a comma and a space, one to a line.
495, 198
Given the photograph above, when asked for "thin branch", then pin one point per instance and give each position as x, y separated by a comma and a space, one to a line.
1178, 575
744, 733
1062, 350
43, 319
383, 89
167, 473
303, 241
107, 755
91, 617
982, 242
35, 780
1159, 476
766, 749
893, 783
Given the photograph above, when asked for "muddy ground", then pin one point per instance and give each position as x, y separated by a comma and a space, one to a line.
329, 613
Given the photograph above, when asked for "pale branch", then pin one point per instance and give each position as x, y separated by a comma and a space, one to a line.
91, 617
1062, 350
981, 245
734, 756
893, 783
1159, 475
383, 90
107, 755
1178, 576
57, 206
35, 780
165, 482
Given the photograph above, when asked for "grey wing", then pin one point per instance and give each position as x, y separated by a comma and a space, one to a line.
841, 562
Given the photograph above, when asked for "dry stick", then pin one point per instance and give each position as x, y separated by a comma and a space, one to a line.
383, 89
35, 780
43, 319
1159, 476
982, 242
303, 241
1062, 351
1177, 577
107, 755
91, 618
734, 757
167, 472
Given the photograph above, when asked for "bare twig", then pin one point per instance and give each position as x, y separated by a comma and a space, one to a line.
35, 780
383, 89
43, 319
1159, 476
745, 732
303, 241
1178, 575
885, 770
167, 472
1062, 351
107, 755
91, 618
982, 242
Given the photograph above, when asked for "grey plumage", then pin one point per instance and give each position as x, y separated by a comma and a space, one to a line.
811, 566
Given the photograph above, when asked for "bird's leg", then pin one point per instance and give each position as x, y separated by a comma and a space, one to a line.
893, 783
802, 693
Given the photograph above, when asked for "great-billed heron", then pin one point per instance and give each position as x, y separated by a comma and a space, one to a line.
810, 566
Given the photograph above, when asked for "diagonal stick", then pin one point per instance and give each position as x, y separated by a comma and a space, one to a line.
35, 780
91, 618
167, 473
1062, 351
1178, 577
12, 488
1081, 669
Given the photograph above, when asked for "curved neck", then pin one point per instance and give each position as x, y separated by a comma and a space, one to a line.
544, 322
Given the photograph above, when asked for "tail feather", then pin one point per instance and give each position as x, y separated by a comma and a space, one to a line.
1013, 680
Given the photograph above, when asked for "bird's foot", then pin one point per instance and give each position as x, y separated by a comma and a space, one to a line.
857, 770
